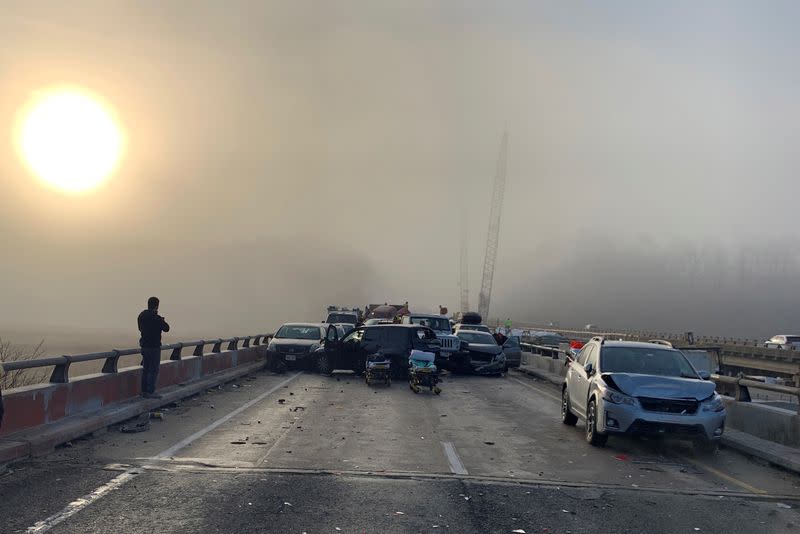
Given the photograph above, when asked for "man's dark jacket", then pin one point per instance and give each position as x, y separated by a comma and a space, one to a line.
151, 325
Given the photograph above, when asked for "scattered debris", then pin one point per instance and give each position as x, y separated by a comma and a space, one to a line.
518, 531
212, 406
287, 504
157, 415
399, 513
621, 457
291, 393
783, 505
489, 442
238, 443
234, 386
281, 401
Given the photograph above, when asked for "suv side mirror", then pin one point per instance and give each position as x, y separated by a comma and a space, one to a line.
705, 375
589, 368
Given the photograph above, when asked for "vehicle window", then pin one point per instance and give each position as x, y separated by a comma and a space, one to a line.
792, 339
331, 334
354, 336
396, 338
437, 323
584, 353
474, 336
646, 361
341, 318
423, 338
592, 357
289, 331
372, 335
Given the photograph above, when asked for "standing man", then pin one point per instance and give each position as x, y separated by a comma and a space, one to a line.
151, 324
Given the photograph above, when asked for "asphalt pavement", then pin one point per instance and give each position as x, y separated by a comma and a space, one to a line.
306, 453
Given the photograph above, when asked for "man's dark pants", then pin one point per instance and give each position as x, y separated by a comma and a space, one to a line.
151, 361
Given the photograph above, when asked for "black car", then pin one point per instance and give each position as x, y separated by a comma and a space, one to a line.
393, 340
479, 354
295, 344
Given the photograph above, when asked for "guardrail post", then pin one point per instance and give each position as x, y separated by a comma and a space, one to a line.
176, 352
257, 340
111, 363
217, 346
198, 350
742, 392
246, 343
233, 345
61, 372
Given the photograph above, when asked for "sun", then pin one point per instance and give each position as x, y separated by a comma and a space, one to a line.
70, 140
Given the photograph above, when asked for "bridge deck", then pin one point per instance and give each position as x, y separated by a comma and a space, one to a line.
488, 455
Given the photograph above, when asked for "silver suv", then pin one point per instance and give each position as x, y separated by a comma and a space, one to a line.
623, 387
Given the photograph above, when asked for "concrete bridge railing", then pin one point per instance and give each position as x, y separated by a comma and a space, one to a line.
31, 406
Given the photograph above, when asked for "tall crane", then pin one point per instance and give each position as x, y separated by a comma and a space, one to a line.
463, 283
493, 236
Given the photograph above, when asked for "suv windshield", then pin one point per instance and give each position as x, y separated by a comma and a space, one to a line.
289, 331
342, 318
473, 336
434, 323
645, 361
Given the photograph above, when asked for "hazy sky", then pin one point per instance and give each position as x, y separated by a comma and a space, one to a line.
287, 155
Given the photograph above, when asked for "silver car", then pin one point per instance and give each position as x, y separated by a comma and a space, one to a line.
623, 387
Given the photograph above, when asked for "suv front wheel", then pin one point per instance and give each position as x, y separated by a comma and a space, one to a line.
567, 417
593, 437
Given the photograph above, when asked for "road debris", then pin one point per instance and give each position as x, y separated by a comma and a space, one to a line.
621, 457
489, 442
281, 401
783, 505
399, 513
518, 531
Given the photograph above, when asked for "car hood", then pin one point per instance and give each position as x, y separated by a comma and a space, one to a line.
484, 348
294, 343
661, 387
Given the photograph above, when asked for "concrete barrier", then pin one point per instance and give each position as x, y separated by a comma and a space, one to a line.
41, 404
765, 422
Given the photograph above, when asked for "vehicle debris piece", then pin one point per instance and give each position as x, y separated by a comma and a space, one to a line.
783, 505
281, 401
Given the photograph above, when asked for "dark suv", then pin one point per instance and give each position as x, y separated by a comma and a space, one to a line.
393, 340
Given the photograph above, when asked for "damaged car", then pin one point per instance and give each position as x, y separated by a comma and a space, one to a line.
479, 354
631, 388
295, 344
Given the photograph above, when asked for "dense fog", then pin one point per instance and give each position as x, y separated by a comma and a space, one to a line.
283, 156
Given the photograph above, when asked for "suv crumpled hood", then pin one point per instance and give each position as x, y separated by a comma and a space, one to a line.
661, 387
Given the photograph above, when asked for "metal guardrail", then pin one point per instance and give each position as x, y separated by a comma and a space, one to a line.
61, 364
741, 385
542, 350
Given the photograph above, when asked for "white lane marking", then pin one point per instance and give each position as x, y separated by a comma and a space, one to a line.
77, 505
126, 476
453, 459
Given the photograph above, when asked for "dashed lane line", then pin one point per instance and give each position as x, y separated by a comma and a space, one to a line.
126, 476
453, 459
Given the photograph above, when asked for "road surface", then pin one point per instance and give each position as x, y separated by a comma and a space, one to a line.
306, 453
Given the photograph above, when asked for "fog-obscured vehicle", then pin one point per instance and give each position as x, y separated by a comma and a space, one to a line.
295, 344
395, 341
548, 339
479, 354
475, 327
342, 315
626, 387
783, 342
441, 326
